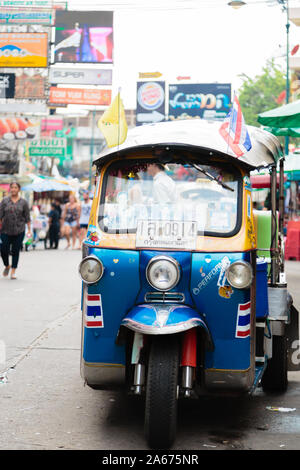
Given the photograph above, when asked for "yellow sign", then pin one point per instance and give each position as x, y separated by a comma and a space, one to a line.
150, 74
23, 49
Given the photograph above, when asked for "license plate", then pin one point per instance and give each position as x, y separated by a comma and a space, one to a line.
166, 234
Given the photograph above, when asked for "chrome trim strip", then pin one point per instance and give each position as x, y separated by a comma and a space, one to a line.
164, 330
164, 297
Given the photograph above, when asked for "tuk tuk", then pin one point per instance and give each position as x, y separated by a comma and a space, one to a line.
179, 300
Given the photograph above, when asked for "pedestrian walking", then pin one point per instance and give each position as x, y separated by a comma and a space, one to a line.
84, 216
54, 226
14, 215
70, 220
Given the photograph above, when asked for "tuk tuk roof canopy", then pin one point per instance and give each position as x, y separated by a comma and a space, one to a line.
199, 135
285, 116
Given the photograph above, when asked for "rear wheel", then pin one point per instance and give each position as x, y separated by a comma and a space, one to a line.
161, 392
275, 378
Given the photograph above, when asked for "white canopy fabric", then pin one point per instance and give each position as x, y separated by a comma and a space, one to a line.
197, 133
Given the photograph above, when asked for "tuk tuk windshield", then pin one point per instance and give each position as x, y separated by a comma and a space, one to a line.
134, 192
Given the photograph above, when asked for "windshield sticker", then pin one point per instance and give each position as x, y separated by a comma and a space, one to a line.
93, 236
94, 313
251, 233
243, 321
226, 292
247, 183
248, 205
219, 268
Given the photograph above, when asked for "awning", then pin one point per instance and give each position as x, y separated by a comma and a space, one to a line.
283, 131
287, 116
43, 184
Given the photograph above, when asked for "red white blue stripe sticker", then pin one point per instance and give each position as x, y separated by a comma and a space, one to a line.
243, 321
94, 313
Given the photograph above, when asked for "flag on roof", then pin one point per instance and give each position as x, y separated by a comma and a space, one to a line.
234, 130
113, 123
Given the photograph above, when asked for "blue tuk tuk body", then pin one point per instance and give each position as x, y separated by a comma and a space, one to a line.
217, 337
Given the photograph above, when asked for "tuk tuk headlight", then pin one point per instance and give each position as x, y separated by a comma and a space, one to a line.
91, 269
163, 273
239, 274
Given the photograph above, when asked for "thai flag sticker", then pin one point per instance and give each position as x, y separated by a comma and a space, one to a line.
94, 316
243, 321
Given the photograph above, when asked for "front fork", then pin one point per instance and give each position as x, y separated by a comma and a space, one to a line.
188, 361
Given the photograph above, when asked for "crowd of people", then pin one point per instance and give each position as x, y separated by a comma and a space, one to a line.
67, 220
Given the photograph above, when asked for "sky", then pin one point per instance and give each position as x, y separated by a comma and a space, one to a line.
204, 39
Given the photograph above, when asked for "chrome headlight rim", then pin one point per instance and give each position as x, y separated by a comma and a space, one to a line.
94, 258
248, 266
156, 259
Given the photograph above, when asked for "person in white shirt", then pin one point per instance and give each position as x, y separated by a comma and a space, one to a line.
84, 216
163, 186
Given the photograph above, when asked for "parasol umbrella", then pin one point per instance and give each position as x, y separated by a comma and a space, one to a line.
283, 131
287, 116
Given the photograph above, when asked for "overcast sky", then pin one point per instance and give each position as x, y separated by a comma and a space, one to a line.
204, 39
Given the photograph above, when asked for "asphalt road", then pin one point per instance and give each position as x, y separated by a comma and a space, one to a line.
43, 401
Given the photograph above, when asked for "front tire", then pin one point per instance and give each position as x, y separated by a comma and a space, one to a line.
161, 392
275, 378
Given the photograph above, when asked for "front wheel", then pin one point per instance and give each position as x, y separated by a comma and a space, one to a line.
275, 378
161, 392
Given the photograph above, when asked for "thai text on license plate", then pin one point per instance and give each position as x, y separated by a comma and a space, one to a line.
166, 234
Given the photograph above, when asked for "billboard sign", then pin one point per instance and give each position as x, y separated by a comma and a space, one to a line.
52, 124
203, 100
28, 107
13, 133
150, 102
7, 85
47, 147
86, 96
26, 3
16, 16
23, 49
77, 76
83, 37
30, 86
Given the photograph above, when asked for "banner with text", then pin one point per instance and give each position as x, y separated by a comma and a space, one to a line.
19, 16
77, 76
23, 49
47, 147
203, 100
150, 105
87, 96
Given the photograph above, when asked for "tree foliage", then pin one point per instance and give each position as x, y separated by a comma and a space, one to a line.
260, 93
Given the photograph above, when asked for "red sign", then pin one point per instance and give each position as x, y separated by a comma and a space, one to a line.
48, 124
87, 96
183, 78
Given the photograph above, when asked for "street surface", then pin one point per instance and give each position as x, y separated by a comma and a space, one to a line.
43, 401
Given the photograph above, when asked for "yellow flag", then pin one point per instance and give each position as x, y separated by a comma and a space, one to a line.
113, 123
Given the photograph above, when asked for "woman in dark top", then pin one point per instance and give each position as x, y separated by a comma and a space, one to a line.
14, 215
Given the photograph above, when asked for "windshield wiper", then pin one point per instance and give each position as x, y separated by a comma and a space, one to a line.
211, 177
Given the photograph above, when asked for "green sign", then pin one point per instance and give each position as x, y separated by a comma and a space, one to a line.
48, 147
68, 132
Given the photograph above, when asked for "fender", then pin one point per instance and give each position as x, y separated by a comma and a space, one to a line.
158, 319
